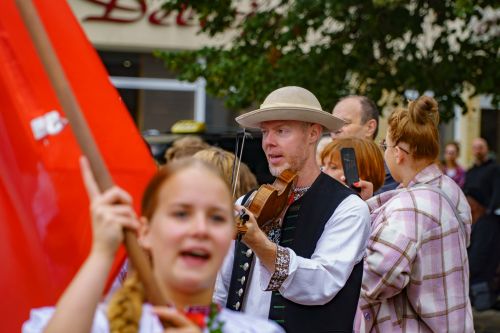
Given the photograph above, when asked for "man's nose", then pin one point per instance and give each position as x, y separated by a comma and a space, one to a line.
268, 140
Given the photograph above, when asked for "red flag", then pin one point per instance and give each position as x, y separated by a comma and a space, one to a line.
44, 222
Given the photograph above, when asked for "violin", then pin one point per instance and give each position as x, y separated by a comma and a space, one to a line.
268, 202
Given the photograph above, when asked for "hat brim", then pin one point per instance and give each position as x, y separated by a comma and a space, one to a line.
254, 118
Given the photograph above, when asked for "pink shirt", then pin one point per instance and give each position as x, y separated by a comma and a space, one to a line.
457, 174
416, 272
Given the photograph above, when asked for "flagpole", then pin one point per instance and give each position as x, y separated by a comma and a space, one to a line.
84, 137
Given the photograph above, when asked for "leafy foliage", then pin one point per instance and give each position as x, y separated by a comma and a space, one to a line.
378, 48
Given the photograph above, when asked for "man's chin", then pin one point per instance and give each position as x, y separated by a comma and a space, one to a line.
276, 171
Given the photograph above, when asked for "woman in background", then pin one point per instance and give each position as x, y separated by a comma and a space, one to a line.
369, 160
451, 168
416, 271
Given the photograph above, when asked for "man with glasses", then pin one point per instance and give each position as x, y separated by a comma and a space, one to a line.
360, 115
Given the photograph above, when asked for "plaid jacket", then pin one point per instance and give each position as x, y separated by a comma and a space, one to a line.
416, 272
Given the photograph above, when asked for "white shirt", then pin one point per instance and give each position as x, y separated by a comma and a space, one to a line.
313, 281
233, 322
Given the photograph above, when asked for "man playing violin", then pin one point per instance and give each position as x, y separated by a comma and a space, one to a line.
304, 271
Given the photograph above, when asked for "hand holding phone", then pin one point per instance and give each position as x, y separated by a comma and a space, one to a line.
350, 166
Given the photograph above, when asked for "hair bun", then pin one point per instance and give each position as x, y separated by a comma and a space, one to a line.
424, 110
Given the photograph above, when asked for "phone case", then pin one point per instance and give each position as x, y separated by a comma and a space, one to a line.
350, 166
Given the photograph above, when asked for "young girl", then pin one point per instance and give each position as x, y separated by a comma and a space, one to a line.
187, 228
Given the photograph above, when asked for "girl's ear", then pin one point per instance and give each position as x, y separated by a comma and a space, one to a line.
144, 233
400, 155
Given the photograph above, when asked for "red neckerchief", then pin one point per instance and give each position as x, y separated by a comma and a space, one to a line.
198, 314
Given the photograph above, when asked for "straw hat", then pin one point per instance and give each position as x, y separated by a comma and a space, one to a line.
291, 103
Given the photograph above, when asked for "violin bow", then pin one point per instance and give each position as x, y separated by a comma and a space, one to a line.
242, 216
84, 137
235, 176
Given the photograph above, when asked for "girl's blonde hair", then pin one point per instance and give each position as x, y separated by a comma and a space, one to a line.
185, 146
224, 162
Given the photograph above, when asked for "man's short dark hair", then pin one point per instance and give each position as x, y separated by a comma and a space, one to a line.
369, 111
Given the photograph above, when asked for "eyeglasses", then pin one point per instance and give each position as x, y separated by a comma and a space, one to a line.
384, 147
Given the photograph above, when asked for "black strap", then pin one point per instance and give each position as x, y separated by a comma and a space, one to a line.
246, 197
242, 263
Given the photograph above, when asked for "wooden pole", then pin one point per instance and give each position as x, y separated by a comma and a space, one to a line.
84, 137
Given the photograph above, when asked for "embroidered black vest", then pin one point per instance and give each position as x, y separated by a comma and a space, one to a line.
316, 207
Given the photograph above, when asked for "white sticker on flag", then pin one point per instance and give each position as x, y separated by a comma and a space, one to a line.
50, 123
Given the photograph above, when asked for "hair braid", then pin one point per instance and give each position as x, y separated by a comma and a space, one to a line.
125, 306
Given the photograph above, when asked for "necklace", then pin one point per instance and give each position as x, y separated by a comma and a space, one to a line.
299, 192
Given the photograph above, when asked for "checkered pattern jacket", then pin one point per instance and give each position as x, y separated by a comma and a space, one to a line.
416, 272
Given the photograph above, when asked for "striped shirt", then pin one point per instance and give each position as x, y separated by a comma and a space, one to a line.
416, 271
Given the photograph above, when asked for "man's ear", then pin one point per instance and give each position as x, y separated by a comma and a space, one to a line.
144, 233
371, 126
316, 130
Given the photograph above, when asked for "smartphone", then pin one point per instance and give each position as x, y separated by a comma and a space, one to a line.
350, 167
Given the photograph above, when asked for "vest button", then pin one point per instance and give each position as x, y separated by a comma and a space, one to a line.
240, 292
237, 306
245, 266
242, 280
249, 253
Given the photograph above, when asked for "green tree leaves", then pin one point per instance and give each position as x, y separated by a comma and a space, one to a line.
335, 48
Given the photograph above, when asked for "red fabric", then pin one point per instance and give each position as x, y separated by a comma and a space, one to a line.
44, 223
198, 318
200, 314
